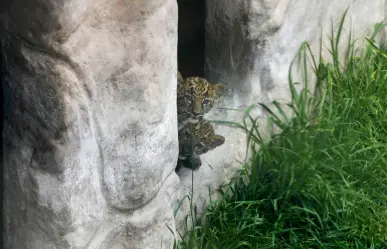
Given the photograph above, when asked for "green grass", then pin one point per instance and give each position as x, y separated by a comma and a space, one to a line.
321, 182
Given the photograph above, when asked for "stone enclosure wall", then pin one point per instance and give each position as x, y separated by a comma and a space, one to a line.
90, 131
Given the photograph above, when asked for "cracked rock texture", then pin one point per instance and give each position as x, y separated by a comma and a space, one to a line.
90, 140
90, 129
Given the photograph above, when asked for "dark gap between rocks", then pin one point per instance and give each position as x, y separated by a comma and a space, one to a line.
191, 37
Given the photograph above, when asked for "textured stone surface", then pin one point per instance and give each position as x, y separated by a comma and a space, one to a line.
90, 131
250, 45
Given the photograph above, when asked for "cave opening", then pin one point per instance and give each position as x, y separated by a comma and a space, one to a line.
191, 37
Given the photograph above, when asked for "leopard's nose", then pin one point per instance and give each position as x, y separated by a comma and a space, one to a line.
198, 109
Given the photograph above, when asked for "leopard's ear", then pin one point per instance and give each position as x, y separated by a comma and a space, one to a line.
180, 77
219, 89
217, 140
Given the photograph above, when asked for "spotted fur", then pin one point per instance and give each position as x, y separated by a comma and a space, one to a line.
195, 97
195, 140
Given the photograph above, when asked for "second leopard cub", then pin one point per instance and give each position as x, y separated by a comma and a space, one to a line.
195, 140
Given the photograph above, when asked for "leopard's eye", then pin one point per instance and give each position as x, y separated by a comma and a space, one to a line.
189, 97
206, 102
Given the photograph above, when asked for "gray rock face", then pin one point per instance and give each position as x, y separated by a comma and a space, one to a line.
90, 129
90, 132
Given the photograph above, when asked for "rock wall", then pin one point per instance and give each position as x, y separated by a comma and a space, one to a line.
90, 131
90, 139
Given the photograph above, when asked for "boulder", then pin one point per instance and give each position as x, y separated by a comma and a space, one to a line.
90, 131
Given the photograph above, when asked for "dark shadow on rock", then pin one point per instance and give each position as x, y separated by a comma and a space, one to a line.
191, 37
2, 79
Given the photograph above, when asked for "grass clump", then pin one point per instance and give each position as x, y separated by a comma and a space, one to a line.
321, 182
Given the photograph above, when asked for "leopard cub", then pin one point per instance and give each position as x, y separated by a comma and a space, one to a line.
195, 97
195, 140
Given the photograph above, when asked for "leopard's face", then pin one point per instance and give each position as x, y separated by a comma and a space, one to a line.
196, 96
203, 94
